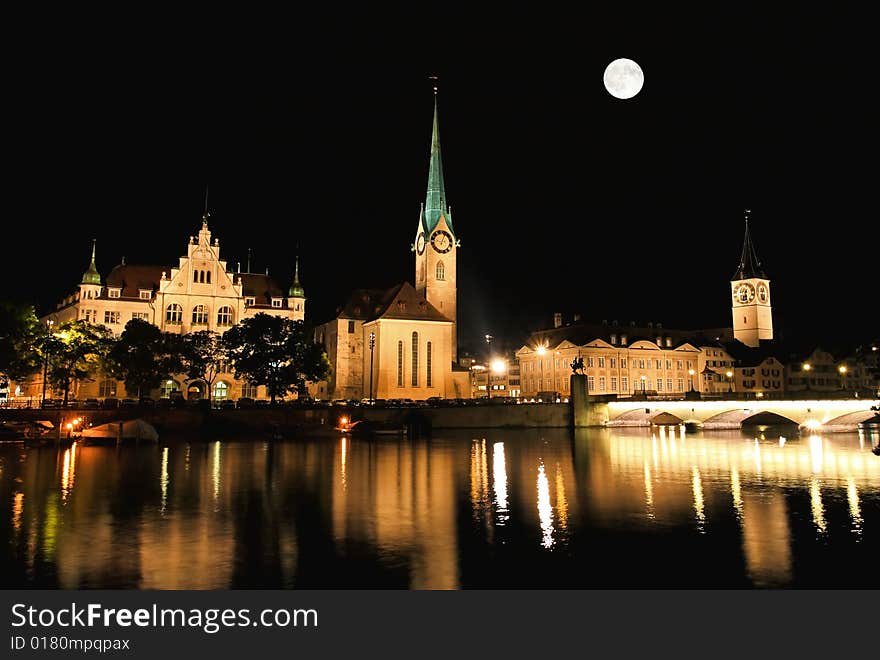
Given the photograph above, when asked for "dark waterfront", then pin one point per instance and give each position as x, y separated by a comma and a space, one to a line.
499, 508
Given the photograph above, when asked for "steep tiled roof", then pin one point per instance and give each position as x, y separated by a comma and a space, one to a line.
132, 278
262, 288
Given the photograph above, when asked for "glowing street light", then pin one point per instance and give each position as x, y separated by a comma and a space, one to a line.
806, 366
842, 370
499, 366
691, 379
489, 339
729, 375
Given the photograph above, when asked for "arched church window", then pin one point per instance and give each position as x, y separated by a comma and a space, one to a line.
415, 359
224, 316
400, 364
441, 271
201, 277
196, 276
200, 315
174, 313
208, 276
428, 368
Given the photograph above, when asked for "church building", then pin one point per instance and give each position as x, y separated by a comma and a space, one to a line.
401, 343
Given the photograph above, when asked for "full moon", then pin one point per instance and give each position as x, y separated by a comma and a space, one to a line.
624, 78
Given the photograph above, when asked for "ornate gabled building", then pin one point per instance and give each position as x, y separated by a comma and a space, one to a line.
400, 343
200, 293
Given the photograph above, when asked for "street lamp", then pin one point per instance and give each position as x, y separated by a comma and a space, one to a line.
729, 375
806, 366
489, 339
842, 369
49, 324
691, 379
372, 345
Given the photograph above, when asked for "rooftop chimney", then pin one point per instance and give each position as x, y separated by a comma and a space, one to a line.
557, 319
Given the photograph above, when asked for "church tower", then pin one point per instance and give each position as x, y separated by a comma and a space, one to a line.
752, 313
436, 244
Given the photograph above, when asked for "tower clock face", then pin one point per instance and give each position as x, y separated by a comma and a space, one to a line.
763, 294
744, 294
441, 241
420, 243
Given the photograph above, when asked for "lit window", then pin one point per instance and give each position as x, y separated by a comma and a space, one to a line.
224, 316
428, 372
141, 316
415, 359
601, 383
146, 295
113, 293
441, 271
249, 390
111, 318
276, 302
249, 301
200, 315
174, 314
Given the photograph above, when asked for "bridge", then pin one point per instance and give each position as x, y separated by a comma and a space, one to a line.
817, 415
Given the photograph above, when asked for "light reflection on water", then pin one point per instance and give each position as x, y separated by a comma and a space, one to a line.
495, 508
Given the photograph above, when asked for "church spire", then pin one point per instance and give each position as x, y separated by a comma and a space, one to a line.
749, 264
91, 276
296, 290
435, 199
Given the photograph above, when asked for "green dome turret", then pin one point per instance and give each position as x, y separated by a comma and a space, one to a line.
92, 276
296, 290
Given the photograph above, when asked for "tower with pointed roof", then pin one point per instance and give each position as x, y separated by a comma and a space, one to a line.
296, 296
90, 286
750, 290
436, 243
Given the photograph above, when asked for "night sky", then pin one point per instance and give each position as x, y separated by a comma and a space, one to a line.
314, 135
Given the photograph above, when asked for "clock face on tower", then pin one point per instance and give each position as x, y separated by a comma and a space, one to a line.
420, 243
744, 294
762, 293
441, 241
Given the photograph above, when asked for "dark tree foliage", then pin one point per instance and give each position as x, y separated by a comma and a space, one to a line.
202, 355
20, 333
276, 352
143, 357
75, 350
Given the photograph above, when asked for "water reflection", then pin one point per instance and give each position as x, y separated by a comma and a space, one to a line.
499, 476
545, 509
507, 508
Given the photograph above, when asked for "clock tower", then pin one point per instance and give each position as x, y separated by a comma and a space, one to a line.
436, 243
750, 290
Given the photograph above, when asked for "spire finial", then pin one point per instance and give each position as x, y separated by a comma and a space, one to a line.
91, 276
249, 261
749, 264
434, 80
205, 214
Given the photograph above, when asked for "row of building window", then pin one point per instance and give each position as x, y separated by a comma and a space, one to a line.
202, 276
174, 315
609, 384
414, 369
559, 363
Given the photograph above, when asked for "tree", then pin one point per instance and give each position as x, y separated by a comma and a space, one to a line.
75, 351
276, 352
19, 337
202, 355
143, 357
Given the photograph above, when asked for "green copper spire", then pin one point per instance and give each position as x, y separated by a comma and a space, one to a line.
296, 290
91, 276
435, 200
